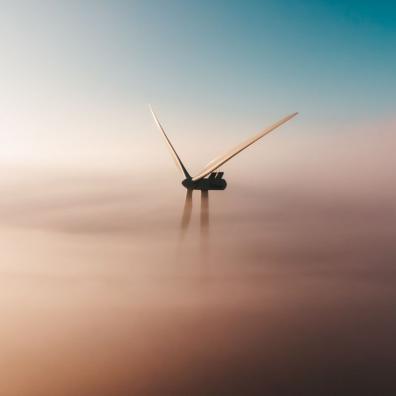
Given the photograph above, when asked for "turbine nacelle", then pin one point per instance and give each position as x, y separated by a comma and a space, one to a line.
215, 181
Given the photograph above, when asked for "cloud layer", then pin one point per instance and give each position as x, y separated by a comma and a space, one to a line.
289, 290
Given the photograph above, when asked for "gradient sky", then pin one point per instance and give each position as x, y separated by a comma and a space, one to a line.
82, 73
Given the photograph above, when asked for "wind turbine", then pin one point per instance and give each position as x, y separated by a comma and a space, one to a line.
215, 180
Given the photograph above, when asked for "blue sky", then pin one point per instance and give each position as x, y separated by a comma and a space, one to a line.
229, 63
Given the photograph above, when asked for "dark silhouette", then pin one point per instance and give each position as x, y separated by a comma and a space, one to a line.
187, 211
204, 213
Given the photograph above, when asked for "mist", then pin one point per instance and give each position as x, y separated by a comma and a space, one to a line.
283, 283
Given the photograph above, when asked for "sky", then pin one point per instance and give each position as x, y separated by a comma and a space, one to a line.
77, 76
98, 280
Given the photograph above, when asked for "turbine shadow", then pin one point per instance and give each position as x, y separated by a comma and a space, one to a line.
204, 214
186, 212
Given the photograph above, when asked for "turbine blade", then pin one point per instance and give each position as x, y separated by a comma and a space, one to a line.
187, 210
175, 156
217, 162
